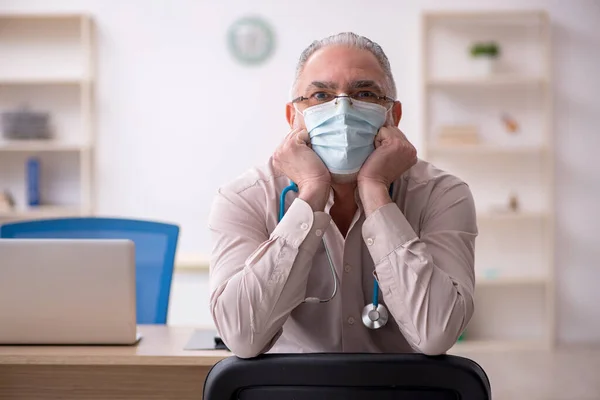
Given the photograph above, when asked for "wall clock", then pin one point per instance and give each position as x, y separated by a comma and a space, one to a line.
251, 40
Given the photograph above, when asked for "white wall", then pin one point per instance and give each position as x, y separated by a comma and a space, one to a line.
178, 117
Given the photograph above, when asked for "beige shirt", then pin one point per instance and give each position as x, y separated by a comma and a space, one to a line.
420, 248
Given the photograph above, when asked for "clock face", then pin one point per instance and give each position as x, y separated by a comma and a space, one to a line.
251, 40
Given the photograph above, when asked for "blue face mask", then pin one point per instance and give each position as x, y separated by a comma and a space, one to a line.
342, 132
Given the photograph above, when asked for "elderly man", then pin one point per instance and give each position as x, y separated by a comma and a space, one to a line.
368, 249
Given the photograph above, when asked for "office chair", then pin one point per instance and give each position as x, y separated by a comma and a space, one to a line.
345, 376
155, 245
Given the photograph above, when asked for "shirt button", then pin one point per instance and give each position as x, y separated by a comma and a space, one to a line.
370, 241
319, 232
347, 268
304, 226
351, 320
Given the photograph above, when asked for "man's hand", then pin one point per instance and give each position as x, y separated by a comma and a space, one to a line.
302, 165
393, 156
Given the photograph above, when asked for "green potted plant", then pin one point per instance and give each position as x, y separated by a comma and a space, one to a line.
485, 56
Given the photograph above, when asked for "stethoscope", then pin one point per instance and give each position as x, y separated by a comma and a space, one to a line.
374, 315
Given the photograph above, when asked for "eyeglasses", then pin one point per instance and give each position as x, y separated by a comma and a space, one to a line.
325, 97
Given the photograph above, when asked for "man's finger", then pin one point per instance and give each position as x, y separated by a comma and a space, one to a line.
303, 137
293, 132
402, 135
384, 133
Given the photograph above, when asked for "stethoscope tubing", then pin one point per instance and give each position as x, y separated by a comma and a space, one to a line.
375, 304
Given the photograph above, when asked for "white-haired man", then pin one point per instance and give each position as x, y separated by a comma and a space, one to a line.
370, 249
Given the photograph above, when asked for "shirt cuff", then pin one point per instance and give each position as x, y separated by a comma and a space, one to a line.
385, 230
301, 227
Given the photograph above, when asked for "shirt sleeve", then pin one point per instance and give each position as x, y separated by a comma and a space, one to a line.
427, 280
257, 279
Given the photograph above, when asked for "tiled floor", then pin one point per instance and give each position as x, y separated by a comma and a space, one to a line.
568, 373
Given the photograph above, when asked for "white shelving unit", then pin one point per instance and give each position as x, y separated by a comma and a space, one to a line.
192, 262
486, 150
514, 262
488, 82
48, 65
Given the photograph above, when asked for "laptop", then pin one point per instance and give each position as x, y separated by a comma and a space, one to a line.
67, 291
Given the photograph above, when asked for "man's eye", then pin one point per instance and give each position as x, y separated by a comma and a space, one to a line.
365, 95
321, 96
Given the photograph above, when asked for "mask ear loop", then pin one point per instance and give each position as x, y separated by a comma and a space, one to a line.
387, 115
300, 113
295, 105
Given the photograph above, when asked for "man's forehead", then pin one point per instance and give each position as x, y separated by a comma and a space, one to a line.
342, 67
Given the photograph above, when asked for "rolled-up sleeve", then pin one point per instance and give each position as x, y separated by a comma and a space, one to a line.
427, 279
257, 279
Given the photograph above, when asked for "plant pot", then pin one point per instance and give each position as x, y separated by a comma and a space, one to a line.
484, 65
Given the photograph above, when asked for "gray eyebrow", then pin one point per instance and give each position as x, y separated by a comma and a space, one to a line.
360, 84
365, 84
324, 85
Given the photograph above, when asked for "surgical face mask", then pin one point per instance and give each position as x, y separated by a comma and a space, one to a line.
342, 132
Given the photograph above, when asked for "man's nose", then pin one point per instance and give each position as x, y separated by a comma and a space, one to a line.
343, 102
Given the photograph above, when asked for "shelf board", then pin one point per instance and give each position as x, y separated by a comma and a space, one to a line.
41, 212
485, 149
192, 262
39, 146
511, 281
50, 16
42, 80
511, 215
491, 82
497, 345
517, 18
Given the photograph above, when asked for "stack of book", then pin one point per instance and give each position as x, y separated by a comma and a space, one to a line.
456, 135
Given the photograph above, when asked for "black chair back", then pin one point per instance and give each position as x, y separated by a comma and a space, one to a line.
344, 376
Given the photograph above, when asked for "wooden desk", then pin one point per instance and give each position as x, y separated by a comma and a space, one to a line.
156, 368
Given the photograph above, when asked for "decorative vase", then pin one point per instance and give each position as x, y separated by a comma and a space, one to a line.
484, 65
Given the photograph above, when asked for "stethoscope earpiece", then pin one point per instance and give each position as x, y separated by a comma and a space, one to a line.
312, 300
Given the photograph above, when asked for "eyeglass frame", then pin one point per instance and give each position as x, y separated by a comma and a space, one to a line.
386, 98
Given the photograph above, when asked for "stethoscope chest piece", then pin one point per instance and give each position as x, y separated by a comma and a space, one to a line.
374, 317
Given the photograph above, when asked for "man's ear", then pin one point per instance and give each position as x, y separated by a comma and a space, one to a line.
290, 114
397, 112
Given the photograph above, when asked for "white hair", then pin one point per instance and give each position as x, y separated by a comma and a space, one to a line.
349, 39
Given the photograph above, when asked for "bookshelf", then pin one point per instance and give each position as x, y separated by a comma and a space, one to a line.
499, 123
48, 66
